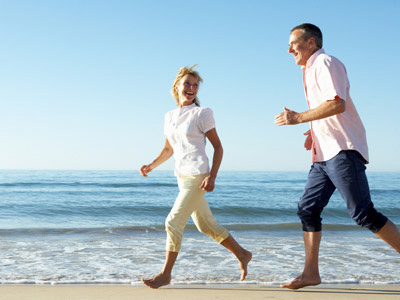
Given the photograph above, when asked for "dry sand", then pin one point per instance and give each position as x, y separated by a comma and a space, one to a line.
22, 292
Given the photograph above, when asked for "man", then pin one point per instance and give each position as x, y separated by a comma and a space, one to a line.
339, 149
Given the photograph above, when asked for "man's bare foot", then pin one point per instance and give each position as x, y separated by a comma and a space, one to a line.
301, 282
157, 281
243, 262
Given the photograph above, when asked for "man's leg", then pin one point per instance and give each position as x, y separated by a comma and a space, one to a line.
351, 181
310, 275
390, 234
317, 193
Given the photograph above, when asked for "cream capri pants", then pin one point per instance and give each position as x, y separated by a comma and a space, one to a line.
191, 202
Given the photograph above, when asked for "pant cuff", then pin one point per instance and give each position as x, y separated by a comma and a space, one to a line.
219, 239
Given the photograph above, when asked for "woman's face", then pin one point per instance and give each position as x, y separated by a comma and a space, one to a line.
187, 89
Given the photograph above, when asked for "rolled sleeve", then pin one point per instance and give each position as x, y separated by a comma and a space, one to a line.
332, 78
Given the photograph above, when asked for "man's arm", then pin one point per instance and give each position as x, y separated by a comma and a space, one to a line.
326, 109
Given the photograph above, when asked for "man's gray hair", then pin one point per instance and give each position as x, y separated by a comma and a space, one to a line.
310, 30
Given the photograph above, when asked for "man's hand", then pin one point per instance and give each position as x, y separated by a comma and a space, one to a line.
288, 117
309, 140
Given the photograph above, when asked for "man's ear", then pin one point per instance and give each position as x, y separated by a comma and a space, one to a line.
311, 42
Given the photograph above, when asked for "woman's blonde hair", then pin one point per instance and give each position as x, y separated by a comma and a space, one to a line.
181, 73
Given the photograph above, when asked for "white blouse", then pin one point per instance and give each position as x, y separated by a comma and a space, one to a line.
185, 130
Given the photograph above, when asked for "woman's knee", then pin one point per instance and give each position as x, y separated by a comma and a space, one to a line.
172, 224
203, 226
206, 224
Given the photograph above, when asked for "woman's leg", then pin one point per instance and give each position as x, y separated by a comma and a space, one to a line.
241, 254
164, 277
175, 224
207, 224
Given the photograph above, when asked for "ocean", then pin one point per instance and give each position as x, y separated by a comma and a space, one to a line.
107, 227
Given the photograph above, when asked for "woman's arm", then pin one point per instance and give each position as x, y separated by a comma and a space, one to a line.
165, 154
208, 183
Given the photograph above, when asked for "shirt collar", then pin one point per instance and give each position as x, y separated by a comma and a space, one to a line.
313, 57
186, 107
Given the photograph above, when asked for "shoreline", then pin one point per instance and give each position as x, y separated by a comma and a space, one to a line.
203, 285
189, 292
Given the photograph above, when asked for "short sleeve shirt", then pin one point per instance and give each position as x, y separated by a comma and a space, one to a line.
325, 78
185, 129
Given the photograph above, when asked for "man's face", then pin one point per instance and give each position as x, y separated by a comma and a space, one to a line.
301, 49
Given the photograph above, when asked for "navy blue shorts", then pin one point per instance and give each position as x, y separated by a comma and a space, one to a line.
345, 172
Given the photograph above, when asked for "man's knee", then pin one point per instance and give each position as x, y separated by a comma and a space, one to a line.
370, 218
310, 221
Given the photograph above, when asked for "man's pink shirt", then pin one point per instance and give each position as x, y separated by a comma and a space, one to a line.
325, 78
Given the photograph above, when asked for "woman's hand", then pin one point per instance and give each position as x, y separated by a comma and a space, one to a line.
208, 184
166, 153
145, 169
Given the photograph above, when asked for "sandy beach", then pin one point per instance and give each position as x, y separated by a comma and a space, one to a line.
22, 292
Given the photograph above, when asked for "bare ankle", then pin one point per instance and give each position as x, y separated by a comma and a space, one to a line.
302, 281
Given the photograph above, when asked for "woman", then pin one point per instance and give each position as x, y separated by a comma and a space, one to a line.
186, 129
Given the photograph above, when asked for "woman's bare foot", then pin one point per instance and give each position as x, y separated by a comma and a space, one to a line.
157, 281
244, 260
302, 281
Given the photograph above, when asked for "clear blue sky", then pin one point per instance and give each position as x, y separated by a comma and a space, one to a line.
85, 84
